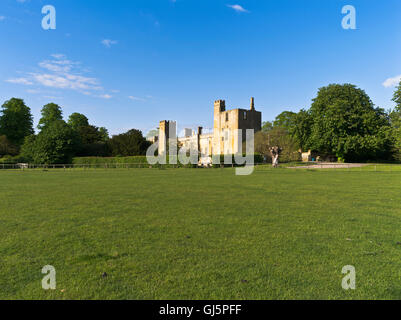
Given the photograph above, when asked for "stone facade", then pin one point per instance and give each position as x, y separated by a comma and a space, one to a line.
225, 137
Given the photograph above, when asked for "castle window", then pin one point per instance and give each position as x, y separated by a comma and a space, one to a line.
245, 115
226, 116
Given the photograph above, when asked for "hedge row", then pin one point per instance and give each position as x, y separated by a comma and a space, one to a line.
101, 161
109, 160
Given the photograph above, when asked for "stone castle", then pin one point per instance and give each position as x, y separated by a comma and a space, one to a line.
223, 140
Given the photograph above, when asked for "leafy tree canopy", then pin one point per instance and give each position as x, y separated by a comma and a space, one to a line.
285, 120
301, 129
77, 120
90, 134
395, 117
6, 147
397, 97
346, 123
104, 133
16, 121
267, 126
131, 143
56, 143
50, 112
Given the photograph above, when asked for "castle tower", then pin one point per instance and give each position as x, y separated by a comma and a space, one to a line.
219, 108
226, 137
167, 131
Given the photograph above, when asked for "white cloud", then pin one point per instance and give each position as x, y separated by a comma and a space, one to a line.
108, 43
66, 81
59, 56
392, 82
105, 96
60, 73
57, 65
237, 7
136, 98
24, 81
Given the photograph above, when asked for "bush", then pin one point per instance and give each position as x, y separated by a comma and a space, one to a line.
115, 161
109, 160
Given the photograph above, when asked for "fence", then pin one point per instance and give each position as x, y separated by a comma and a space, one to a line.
25, 166
294, 166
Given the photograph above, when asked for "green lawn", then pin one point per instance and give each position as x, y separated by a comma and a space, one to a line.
200, 234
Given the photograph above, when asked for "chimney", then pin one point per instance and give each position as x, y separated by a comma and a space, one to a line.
252, 103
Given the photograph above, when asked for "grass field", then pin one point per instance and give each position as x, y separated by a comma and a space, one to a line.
200, 234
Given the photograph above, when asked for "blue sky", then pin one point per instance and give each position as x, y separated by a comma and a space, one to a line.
129, 64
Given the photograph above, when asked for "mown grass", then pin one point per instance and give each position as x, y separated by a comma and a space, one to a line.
200, 234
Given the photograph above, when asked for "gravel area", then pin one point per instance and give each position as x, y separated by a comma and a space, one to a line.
328, 165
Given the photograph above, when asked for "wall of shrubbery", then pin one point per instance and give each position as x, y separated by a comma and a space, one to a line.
112, 161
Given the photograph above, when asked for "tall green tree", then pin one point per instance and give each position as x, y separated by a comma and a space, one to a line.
77, 120
50, 112
285, 120
346, 123
90, 134
104, 133
16, 121
131, 143
7, 148
28, 148
397, 96
267, 126
92, 139
301, 129
395, 116
56, 143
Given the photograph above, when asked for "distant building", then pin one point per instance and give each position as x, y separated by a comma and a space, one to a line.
224, 138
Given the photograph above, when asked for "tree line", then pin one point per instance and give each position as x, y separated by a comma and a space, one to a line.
58, 141
342, 122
